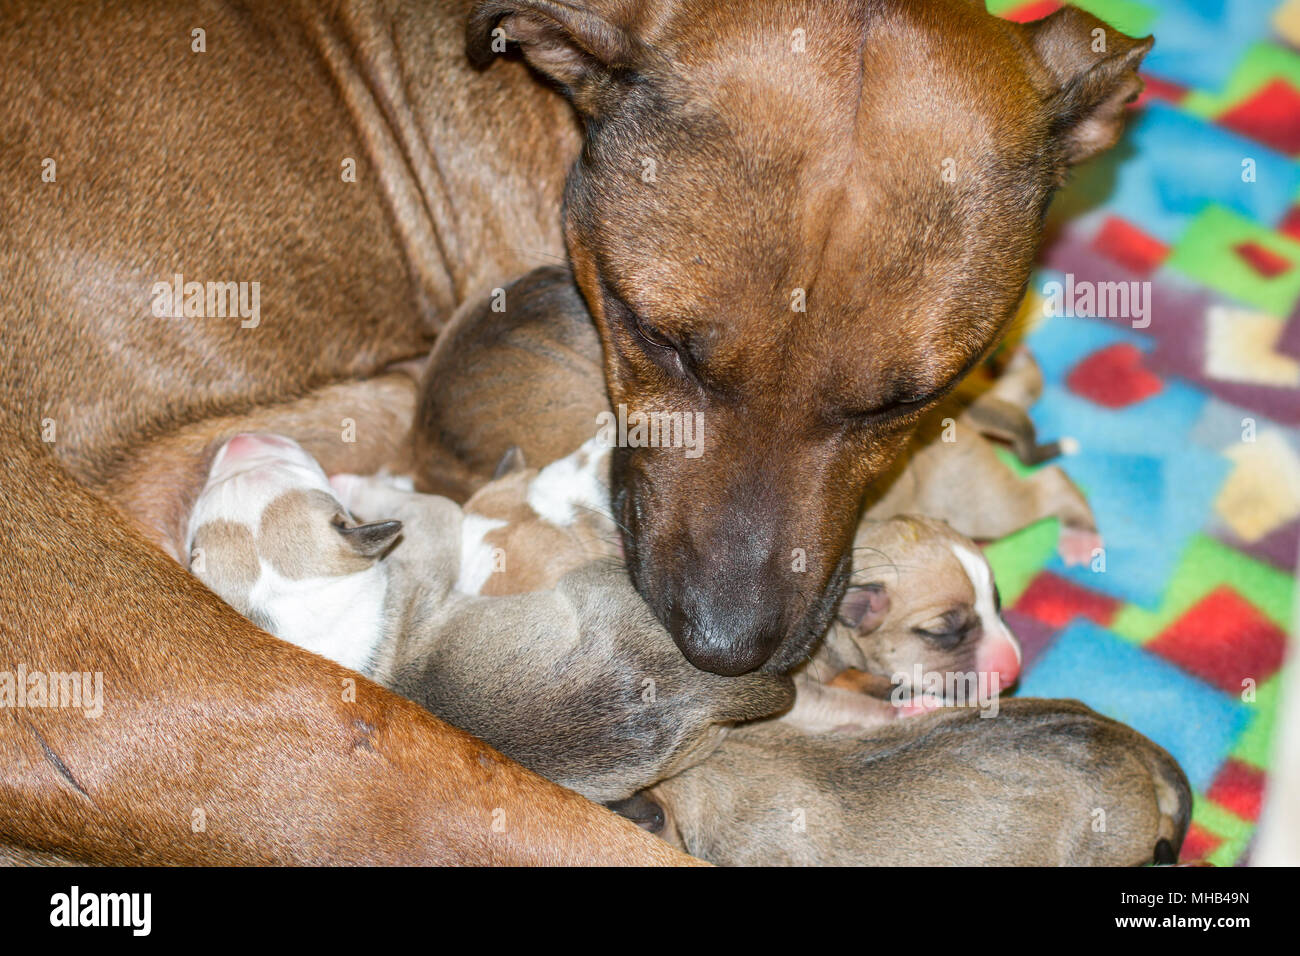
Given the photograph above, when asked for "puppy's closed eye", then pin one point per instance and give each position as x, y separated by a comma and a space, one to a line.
948, 629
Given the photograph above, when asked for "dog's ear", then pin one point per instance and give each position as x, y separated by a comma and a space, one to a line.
370, 540
1094, 69
570, 42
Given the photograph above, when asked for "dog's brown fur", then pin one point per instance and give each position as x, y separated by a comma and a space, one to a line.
203, 711
225, 165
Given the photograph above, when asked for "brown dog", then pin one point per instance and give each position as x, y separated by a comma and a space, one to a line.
850, 259
883, 168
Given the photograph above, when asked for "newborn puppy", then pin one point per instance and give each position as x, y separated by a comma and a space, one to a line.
1049, 783
537, 525
919, 625
530, 378
269, 536
951, 471
578, 681
922, 596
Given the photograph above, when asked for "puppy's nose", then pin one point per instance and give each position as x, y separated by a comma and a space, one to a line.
247, 444
999, 653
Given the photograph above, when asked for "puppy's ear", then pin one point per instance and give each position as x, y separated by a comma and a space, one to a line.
641, 810
865, 607
511, 461
1094, 69
570, 42
370, 540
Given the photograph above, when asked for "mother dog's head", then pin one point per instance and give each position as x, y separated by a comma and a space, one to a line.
803, 220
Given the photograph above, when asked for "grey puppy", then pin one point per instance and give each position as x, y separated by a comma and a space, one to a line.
1045, 783
579, 683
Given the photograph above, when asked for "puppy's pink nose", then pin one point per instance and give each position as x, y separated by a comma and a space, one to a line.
251, 443
999, 654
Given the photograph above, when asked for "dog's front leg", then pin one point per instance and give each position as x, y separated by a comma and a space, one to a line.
194, 737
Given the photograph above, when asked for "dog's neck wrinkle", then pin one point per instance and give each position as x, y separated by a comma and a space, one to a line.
358, 50
452, 239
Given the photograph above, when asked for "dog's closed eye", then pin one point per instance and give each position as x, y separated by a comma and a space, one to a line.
652, 335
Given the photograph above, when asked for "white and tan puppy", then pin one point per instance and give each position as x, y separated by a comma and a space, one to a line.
530, 527
922, 599
269, 535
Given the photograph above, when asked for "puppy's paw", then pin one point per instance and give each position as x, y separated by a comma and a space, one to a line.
918, 706
819, 709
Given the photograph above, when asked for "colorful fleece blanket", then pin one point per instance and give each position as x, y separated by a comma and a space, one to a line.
1185, 401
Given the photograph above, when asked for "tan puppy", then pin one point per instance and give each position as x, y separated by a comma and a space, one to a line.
1048, 783
919, 627
528, 378
952, 472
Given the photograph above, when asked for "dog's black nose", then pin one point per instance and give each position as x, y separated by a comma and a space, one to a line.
725, 639
727, 581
